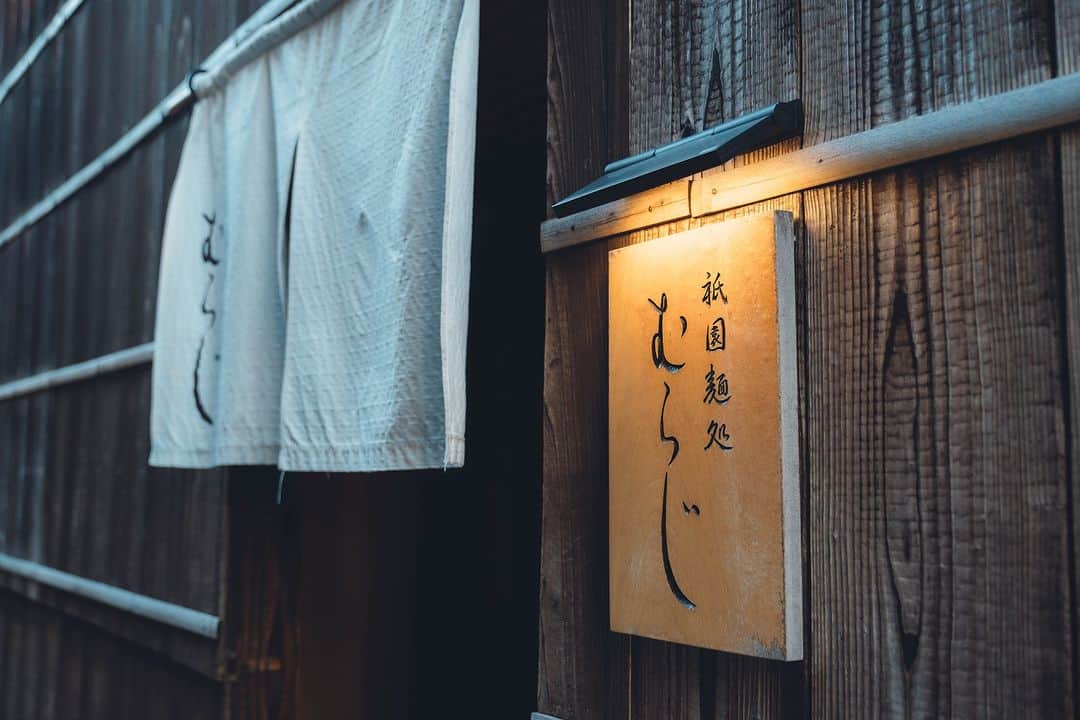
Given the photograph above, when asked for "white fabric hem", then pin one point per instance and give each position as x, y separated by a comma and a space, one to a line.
376, 457
203, 459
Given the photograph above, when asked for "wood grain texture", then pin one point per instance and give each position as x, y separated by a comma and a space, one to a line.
865, 64
583, 667
55, 669
932, 375
694, 64
697, 63
938, 514
938, 532
1067, 24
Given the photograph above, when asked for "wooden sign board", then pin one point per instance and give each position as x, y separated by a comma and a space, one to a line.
705, 542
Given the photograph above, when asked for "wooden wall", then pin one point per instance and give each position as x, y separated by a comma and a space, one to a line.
938, 349
76, 493
394, 595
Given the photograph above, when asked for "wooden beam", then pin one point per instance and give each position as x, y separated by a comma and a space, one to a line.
998, 117
1041, 106
652, 207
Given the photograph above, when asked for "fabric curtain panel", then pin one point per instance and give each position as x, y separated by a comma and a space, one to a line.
313, 295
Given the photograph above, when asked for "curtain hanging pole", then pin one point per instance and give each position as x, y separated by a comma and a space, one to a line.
260, 32
120, 360
178, 616
63, 14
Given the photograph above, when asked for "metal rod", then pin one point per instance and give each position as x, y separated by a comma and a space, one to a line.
178, 616
130, 357
175, 102
63, 14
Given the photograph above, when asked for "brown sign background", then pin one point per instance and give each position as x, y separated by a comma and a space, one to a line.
704, 496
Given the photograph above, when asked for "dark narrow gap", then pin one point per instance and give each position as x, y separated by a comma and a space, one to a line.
1066, 395
478, 576
708, 667
1051, 38
799, 682
802, 677
1067, 405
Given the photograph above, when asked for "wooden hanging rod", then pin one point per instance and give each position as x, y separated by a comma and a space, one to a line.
1042, 106
254, 32
112, 362
22, 66
192, 621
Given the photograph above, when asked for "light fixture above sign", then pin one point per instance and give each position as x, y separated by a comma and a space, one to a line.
687, 156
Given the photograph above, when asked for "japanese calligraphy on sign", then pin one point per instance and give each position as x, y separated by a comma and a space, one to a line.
703, 445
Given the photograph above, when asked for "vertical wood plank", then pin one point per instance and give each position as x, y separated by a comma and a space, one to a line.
697, 63
938, 502
938, 511
1067, 24
583, 667
865, 64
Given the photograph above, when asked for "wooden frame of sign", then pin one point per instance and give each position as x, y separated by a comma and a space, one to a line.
705, 540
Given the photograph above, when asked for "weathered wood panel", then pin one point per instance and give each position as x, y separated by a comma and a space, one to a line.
938, 505
866, 64
697, 63
1067, 22
584, 668
933, 363
82, 285
938, 514
54, 669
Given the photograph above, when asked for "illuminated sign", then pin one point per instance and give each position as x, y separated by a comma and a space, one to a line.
705, 544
